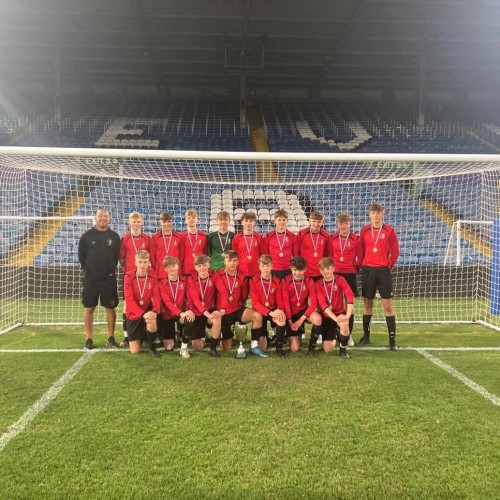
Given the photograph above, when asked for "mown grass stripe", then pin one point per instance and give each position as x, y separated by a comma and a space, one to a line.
31, 413
460, 376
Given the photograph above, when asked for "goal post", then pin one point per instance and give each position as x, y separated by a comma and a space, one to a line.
50, 195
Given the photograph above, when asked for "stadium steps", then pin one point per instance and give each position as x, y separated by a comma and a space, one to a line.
266, 170
482, 140
45, 232
447, 217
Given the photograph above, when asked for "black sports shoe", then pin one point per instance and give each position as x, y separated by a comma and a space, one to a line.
154, 353
214, 353
89, 345
392, 345
112, 342
343, 353
363, 341
312, 353
281, 353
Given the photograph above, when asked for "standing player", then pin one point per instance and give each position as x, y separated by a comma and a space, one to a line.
312, 243
379, 253
280, 244
299, 302
202, 289
333, 293
265, 293
193, 242
140, 288
247, 244
345, 250
165, 243
98, 252
173, 303
220, 241
236, 288
132, 242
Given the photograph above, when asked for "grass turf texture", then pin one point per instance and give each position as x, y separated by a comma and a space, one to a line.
383, 425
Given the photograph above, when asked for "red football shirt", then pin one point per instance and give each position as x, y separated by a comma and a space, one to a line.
313, 247
129, 246
298, 295
248, 248
163, 246
333, 293
191, 246
236, 288
379, 246
281, 247
141, 294
265, 294
173, 297
345, 252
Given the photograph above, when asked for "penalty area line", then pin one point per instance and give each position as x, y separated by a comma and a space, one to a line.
460, 376
31, 413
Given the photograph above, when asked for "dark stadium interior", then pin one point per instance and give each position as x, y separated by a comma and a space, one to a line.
364, 76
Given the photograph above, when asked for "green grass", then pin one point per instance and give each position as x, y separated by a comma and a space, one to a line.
383, 425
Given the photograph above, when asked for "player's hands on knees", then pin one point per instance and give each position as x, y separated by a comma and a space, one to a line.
189, 316
150, 316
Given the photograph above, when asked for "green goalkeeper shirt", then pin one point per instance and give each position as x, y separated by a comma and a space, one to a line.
218, 243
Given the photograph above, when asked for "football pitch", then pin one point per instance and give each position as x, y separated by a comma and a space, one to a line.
422, 422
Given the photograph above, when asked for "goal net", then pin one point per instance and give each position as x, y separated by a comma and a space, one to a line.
49, 196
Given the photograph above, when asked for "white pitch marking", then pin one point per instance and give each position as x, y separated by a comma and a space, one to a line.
460, 376
30, 414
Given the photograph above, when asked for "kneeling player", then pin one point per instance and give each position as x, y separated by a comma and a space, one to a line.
140, 290
202, 289
332, 293
299, 302
236, 287
265, 292
173, 301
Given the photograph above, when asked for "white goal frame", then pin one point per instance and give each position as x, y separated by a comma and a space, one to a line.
107, 164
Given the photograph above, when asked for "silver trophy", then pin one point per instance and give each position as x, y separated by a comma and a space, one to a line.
240, 332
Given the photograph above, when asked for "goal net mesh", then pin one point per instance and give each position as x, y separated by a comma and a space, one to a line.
48, 198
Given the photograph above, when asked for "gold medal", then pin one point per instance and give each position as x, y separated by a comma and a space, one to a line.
194, 255
249, 257
141, 302
281, 254
375, 249
231, 298
298, 303
341, 259
315, 254
266, 304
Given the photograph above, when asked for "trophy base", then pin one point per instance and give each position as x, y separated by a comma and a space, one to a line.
241, 353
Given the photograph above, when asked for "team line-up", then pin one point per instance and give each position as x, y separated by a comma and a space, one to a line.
181, 283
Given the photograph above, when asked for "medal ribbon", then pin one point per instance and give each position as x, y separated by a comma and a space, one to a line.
141, 292
231, 288
133, 242
329, 296
281, 244
297, 294
174, 294
342, 248
266, 294
315, 245
223, 247
375, 241
190, 241
167, 249
204, 290
249, 248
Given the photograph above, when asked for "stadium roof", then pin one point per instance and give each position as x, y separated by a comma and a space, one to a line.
304, 43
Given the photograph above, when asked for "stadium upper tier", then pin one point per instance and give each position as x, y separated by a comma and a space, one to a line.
147, 123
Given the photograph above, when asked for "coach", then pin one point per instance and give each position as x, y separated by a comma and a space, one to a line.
98, 251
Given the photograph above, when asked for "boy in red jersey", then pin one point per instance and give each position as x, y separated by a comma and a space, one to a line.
265, 293
312, 243
202, 289
140, 289
333, 293
165, 243
280, 244
379, 252
173, 302
299, 302
193, 243
345, 252
236, 287
131, 243
247, 244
